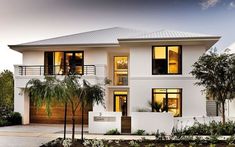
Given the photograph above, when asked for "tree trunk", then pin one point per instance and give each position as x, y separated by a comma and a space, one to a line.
223, 113
65, 119
82, 121
73, 127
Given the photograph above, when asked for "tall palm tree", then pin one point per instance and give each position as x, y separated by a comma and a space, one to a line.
83, 95
67, 91
91, 94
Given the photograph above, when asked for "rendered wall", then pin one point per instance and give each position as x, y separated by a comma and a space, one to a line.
152, 122
102, 126
142, 81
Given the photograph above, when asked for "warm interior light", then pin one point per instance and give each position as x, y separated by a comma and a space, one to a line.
173, 59
159, 52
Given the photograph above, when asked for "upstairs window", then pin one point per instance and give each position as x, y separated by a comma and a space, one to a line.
166, 60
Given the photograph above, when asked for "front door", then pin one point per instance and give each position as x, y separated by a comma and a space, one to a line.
120, 102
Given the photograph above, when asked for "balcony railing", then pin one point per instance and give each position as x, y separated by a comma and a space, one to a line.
55, 70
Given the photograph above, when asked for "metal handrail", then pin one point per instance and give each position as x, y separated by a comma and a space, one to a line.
56, 69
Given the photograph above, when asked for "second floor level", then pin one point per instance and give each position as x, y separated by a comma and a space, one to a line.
117, 58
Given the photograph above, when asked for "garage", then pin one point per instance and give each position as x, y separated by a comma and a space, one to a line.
39, 115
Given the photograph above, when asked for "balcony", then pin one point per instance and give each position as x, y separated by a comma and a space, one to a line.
37, 70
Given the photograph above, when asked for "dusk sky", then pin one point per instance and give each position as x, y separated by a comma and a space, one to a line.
29, 20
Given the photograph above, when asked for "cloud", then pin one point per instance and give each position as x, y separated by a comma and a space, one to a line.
232, 4
205, 4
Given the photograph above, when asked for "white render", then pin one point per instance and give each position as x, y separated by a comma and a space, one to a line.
164, 122
140, 78
103, 127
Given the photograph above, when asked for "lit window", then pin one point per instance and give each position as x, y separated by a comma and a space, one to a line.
167, 100
120, 70
166, 60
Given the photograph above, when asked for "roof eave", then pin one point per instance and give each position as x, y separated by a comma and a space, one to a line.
168, 39
20, 47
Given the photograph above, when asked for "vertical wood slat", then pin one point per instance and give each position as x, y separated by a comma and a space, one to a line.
126, 124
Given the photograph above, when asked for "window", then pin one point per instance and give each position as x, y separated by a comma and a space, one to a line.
121, 70
61, 63
167, 100
166, 60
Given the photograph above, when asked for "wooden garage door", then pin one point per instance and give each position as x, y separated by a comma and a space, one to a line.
57, 114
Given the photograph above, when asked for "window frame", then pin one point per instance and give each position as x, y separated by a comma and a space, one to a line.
167, 59
114, 101
113, 74
64, 52
180, 93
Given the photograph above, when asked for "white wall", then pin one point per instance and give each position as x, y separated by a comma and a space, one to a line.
142, 81
102, 127
33, 58
152, 122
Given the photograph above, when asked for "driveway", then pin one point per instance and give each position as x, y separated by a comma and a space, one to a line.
32, 135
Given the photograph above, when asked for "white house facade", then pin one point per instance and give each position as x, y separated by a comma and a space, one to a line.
150, 71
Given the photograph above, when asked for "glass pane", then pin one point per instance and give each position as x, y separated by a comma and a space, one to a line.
159, 103
59, 62
159, 53
49, 63
78, 63
121, 104
69, 63
159, 60
173, 59
174, 105
120, 70
173, 90
159, 90
120, 92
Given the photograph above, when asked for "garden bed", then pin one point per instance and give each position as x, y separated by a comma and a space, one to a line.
137, 143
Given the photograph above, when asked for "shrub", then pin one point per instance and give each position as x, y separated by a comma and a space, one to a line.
113, 132
3, 123
139, 132
14, 118
160, 135
213, 128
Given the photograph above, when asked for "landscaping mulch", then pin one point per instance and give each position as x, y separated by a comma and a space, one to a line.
139, 143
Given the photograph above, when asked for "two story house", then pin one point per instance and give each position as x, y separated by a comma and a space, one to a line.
145, 68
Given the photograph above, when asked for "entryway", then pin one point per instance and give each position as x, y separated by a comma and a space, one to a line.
120, 102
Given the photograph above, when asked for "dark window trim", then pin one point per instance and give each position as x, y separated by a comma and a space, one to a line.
180, 64
127, 69
64, 59
114, 100
180, 93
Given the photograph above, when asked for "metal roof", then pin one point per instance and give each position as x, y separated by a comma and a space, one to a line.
169, 34
112, 36
103, 36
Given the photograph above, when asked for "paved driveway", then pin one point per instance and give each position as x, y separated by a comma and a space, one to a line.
32, 135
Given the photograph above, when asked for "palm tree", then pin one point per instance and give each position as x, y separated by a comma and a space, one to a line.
45, 92
73, 91
82, 95
92, 94
67, 91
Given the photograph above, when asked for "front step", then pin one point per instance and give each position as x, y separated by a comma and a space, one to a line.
126, 124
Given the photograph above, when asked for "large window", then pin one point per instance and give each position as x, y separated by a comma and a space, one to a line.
166, 60
61, 63
167, 100
121, 70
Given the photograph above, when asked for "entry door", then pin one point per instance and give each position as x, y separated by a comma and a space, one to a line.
74, 62
120, 103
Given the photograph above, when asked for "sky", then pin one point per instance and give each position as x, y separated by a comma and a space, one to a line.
30, 20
